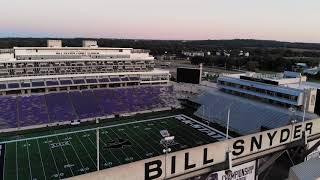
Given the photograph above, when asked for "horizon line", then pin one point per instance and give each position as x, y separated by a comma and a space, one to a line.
153, 39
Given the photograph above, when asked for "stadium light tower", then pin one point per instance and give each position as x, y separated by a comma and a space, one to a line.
166, 141
304, 104
293, 119
228, 123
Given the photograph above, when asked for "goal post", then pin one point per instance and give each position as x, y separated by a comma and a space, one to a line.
98, 149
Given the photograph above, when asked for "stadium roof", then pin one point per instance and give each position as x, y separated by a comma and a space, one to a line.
246, 116
282, 89
73, 48
305, 85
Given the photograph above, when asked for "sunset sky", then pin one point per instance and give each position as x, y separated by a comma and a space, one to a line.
285, 20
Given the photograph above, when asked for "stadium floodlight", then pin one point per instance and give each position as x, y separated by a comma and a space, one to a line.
304, 104
166, 142
228, 123
293, 117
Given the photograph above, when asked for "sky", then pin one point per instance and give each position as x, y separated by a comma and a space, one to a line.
283, 20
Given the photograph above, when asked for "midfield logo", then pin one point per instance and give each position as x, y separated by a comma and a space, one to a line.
117, 144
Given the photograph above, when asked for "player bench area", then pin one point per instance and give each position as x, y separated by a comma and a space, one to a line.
71, 153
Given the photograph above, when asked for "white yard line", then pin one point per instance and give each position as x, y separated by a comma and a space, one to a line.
130, 146
191, 137
64, 154
152, 140
94, 163
86, 130
4, 160
17, 169
78, 157
54, 160
145, 142
29, 160
112, 152
136, 142
176, 149
44, 173
102, 154
219, 132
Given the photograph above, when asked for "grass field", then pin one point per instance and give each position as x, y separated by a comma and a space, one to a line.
68, 153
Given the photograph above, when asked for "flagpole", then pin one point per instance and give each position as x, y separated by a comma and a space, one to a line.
304, 105
228, 121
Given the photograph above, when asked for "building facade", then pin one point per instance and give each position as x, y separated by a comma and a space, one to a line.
288, 89
54, 68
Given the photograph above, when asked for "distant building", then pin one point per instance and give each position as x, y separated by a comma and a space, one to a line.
193, 53
312, 71
226, 54
288, 89
166, 57
54, 43
299, 67
245, 54
87, 43
27, 70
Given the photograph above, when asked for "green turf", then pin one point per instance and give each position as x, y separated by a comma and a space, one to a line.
74, 153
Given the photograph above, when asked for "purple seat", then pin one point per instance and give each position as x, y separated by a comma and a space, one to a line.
52, 83
104, 80
78, 81
8, 112
114, 79
3, 86
134, 78
85, 104
65, 82
60, 108
124, 79
37, 83
25, 85
32, 110
91, 81
13, 85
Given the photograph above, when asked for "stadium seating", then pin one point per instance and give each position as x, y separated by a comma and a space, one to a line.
58, 107
32, 110
246, 116
84, 104
8, 112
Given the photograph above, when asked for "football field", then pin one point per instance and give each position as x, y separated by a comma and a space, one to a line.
69, 153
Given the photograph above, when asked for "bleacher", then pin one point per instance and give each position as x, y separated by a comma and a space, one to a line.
8, 112
22, 111
59, 107
32, 110
246, 116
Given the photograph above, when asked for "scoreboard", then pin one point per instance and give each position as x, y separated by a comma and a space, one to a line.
189, 75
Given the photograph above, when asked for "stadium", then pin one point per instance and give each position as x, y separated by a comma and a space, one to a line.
107, 113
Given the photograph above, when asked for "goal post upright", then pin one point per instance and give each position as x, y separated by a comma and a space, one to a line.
98, 146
